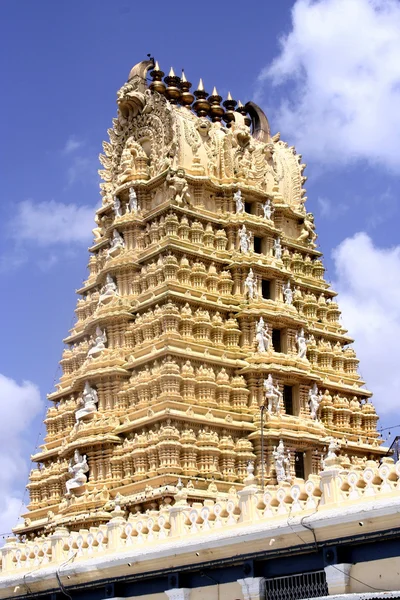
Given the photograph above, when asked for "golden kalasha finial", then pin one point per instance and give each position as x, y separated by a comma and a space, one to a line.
230, 106
186, 97
216, 110
173, 91
157, 85
201, 106
243, 111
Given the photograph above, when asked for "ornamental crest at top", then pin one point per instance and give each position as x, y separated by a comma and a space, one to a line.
162, 128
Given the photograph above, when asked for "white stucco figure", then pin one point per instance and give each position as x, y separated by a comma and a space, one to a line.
314, 399
133, 206
109, 289
244, 240
301, 344
77, 467
268, 210
250, 286
237, 196
331, 457
263, 338
250, 479
281, 463
98, 230
89, 401
288, 293
99, 344
277, 249
116, 244
272, 396
117, 207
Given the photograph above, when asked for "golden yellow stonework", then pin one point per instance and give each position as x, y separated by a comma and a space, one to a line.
205, 331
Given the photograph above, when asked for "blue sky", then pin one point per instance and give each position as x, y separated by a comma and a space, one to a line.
326, 72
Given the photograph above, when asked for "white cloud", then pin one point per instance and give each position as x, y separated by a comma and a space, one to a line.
72, 144
19, 404
51, 223
368, 282
341, 60
329, 209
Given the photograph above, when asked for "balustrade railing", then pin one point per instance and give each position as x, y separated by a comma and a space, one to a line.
186, 521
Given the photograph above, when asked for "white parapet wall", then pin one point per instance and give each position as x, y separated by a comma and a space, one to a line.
334, 504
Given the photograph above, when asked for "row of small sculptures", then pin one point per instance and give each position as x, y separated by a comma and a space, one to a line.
186, 271
272, 394
179, 194
170, 312
78, 466
117, 244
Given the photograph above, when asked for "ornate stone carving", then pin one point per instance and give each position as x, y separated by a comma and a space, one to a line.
237, 196
244, 240
282, 463
314, 399
99, 343
268, 210
250, 286
178, 187
89, 401
117, 207
133, 206
273, 396
277, 249
117, 243
77, 468
108, 290
288, 293
301, 344
133, 163
172, 366
263, 338
308, 230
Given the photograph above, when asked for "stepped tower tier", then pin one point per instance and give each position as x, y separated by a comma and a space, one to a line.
206, 336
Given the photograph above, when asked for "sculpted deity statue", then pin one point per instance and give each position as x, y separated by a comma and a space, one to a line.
244, 240
277, 249
308, 230
77, 468
250, 286
282, 463
263, 338
133, 161
89, 401
109, 289
117, 207
99, 342
178, 186
301, 344
331, 457
268, 210
116, 244
272, 396
250, 479
314, 399
97, 231
288, 293
133, 206
237, 196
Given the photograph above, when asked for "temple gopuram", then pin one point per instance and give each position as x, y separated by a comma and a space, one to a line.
210, 435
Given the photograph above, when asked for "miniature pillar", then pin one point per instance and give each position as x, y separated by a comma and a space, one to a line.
178, 594
338, 578
253, 588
